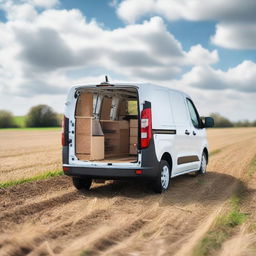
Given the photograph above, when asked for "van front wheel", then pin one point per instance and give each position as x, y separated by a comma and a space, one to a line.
162, 181
82, 183
203, 164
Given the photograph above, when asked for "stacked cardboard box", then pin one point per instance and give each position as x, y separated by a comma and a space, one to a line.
133, 136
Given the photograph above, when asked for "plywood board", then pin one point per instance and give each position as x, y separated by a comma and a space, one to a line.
133, 150
84, 105
85, 157
83, 144
133, 139
84, 126
105, 108
133, 132
97, 148
123, 108
123, 124
134, 123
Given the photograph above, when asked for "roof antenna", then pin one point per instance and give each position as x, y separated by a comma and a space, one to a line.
106, 78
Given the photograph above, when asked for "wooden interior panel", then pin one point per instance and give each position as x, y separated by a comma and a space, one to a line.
83, 135
105, 108
84, 157
84, 125
83, 143
84, 105
123, 108
116, 136
97, 148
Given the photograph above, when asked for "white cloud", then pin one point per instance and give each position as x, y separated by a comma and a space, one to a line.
40, 49
240, 78
47, 44
235, 35
43, 3
236, 27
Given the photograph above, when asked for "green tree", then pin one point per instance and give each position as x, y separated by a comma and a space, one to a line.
6, 119
42, 116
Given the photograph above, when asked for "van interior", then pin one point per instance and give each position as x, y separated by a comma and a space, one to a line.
106, 127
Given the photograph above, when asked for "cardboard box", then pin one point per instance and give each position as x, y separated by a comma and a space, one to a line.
133, 132
134, 123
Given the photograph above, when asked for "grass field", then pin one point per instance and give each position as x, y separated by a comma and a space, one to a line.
205, 215
20, 121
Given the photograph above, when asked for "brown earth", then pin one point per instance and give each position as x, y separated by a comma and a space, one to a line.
117, 218
27, 153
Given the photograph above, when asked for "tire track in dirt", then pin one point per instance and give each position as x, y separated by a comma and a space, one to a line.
121, 218
19, 215
15, 195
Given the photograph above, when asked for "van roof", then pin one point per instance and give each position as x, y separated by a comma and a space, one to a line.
133, 84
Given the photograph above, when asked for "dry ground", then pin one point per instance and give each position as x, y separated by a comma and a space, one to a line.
118, 218
27, 153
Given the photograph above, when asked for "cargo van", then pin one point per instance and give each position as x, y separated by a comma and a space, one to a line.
132, 130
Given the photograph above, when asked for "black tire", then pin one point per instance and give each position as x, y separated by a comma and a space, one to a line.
82, 183
161, 183
203, 164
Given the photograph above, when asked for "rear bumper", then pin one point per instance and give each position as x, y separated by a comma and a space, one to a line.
110, 173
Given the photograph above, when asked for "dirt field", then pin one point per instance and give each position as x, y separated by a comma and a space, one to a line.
27, 153
50, 217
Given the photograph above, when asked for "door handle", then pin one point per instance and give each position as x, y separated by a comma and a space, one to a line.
187, 132
194, 133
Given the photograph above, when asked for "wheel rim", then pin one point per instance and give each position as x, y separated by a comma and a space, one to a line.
203, 164
165, 177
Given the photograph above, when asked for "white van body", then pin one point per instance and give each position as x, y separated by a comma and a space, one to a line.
176, 137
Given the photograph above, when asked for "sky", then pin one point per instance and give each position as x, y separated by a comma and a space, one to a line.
204, 48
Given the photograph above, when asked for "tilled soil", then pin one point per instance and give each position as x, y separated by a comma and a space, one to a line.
50, 217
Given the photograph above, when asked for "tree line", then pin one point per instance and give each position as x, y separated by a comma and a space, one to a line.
45, 116
222, 122
38, 116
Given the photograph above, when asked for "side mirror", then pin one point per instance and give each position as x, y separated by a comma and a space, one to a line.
208, 122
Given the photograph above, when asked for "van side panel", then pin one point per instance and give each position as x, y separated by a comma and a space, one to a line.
164, 128
162, 116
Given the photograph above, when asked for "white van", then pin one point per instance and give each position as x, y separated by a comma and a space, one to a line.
116, 131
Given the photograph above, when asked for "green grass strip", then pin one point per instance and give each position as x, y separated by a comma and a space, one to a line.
214, 152
42, 176
20, 120
221, 230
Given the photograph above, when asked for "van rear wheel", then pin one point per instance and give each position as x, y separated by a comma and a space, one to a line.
82, 183
162, 181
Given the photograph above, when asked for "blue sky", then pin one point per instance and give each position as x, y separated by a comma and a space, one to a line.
205, 48
187, 32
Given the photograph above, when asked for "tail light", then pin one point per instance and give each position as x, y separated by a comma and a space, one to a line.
64, 133
146, 127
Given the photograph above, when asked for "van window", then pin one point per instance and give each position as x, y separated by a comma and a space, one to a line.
132, 107
193, 114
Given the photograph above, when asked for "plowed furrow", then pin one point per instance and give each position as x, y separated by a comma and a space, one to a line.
24, 212
15, 195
